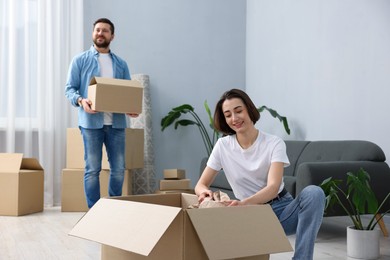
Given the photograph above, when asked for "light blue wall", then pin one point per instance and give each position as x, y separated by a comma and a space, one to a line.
192, 51
323, 64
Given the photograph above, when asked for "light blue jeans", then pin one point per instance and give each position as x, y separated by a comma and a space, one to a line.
302, 216
114, 140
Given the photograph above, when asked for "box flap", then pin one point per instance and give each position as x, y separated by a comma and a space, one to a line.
188, 200
30, 164
113, 81
128, 225
10, 162
232, 232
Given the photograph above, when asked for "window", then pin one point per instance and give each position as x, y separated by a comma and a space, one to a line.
18, 60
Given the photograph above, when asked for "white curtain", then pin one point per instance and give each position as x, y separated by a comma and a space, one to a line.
38, 39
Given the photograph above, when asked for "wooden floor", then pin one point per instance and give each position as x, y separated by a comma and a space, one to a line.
44, 236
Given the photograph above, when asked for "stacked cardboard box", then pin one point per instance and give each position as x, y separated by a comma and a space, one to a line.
21, 185
107, 95
175, 181
73, 196
161, 226
134, 149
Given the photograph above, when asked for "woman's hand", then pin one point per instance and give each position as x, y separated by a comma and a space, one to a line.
202, 188
232, 203
205, 194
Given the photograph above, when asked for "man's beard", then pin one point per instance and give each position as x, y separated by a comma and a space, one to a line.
103, 44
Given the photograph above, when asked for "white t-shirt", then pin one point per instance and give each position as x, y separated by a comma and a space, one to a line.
106, 71
247, 169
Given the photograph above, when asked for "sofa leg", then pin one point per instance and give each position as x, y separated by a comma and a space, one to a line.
382, 225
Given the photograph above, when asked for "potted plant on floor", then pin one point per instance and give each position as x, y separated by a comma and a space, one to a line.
174, 117
362, 239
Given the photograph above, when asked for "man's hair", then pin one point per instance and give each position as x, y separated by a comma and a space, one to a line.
105, 20
219, 118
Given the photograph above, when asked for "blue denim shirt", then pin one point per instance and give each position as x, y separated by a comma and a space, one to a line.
83, 68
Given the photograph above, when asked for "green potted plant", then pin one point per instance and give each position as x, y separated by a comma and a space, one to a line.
359, 199
175, 117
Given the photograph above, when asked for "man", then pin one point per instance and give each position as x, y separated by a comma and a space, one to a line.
98, 127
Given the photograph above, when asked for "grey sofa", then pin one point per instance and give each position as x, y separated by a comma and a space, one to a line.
311, 162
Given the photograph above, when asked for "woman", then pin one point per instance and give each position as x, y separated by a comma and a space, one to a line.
253, 162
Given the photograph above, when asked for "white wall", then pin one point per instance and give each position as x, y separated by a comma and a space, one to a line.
323, 64
192, 51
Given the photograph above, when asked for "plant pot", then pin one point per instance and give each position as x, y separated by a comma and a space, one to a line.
363, 244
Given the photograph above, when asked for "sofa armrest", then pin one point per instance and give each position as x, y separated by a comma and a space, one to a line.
315, 172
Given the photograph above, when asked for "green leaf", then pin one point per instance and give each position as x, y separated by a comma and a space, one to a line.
169, 119
360, 192
185, 122
329, 187
275, 114
360, 197
185, 108
211, 120
174, 114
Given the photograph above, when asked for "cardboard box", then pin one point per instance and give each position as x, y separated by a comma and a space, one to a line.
159, 226
190, 191
174, 174
21, 185
134, 149
75, 150
183, 184
72, 189
115, 95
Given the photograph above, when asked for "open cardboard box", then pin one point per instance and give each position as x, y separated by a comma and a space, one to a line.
159, 226
115, 95
21, 185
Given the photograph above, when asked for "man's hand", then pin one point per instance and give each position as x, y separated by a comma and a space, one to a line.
86, 104
133, 115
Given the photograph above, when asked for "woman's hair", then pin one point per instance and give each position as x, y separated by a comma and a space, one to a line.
105, 20
219, 118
